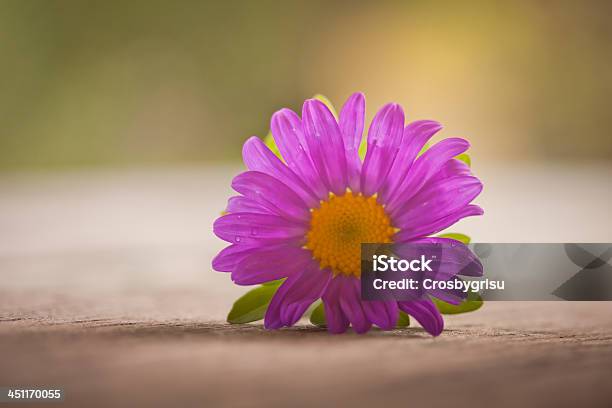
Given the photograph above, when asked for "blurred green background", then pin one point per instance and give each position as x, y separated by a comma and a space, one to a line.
86, 83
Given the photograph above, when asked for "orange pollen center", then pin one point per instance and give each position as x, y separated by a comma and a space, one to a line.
341, 225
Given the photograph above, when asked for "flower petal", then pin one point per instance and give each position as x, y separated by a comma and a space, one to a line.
452, 296
247, 228
415, 135
287, 131
426, 313
350, 303
384, 138
268, 264
230, 256
451, 168
258, 157
425, 167
244, 204
271, 194
452, 259
337, 322
295, 295
308, 287
325, 144
438, 200
352, 119
410, 233
455, 257
382, 314
272, 319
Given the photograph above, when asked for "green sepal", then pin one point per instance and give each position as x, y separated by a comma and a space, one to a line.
317, 317
252, 306
403, 320
425, 147
363, 148
456, 236
471, 303
464, 157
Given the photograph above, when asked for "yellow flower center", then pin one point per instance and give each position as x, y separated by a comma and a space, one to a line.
341, 225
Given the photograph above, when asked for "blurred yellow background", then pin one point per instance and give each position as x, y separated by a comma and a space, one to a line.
158, 82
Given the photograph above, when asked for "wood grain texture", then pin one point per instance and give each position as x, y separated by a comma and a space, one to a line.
106, 291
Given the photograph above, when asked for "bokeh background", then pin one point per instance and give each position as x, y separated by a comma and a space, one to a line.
155, 82
121, 127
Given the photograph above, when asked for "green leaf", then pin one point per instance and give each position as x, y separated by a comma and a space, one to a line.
403, 320
252, 306
456, 236
464, 157
471, 303
317, 317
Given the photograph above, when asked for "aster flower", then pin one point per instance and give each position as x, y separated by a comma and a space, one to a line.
303, 218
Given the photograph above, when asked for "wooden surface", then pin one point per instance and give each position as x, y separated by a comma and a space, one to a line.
106, 291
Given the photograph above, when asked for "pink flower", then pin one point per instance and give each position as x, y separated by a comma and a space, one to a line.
304, 219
